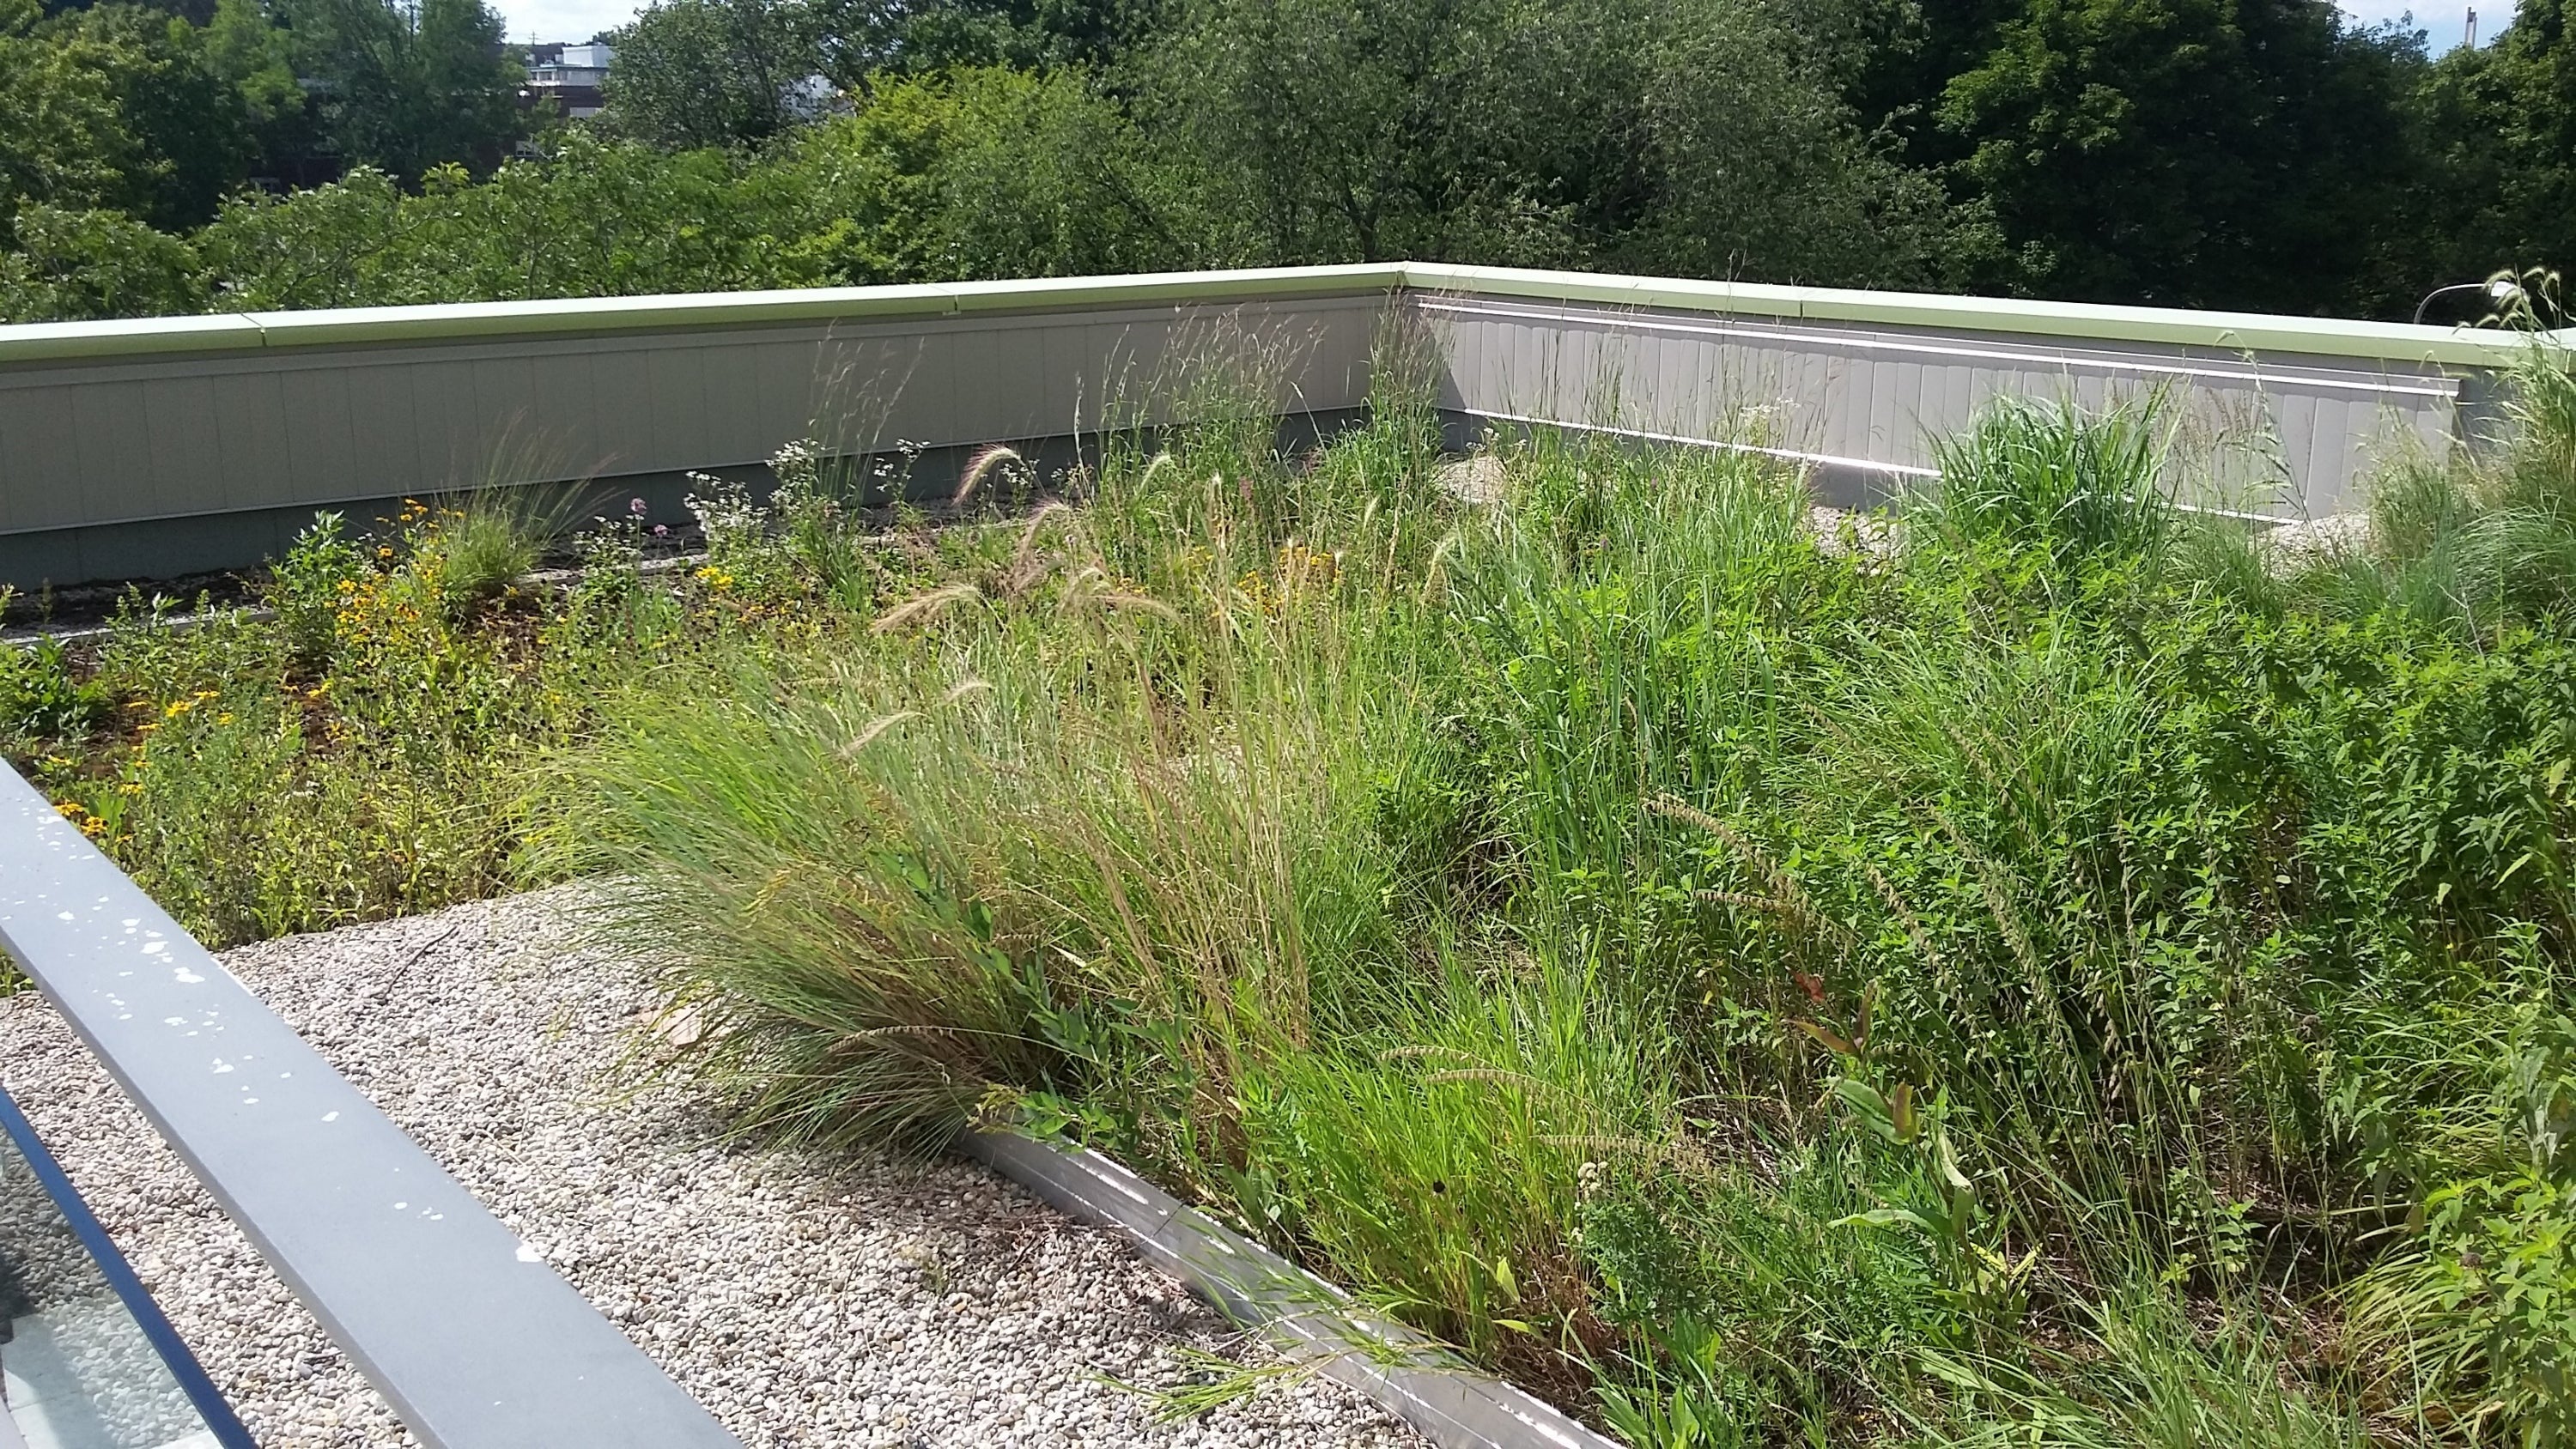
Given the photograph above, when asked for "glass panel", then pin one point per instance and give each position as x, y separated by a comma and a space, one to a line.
77, 1371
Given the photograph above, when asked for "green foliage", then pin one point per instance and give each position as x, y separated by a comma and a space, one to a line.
190, 131
919, 36
2231, 153
2498, 183
358, 756
2264, 154
63, 140
2477, 1321
986, 173
406, 88
73, 265
1621, 135
42, 697
2007, 983
2483, 544
2028, 475
693, 73
1783, 991
305, 588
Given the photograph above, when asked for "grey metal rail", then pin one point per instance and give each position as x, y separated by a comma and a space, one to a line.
464, 1329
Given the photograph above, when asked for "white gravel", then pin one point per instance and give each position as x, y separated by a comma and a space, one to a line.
807, 1301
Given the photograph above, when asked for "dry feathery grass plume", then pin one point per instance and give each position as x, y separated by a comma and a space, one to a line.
980, 467
1137, 604
925, 607
1090, 589
868, 736
1435, 574
1027, 569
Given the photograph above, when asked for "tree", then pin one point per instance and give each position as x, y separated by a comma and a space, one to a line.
70, 264
714, 72
922, 36
192, 136
407, 89
1694, 135
2499, 187
256, 57
2237, 153
984, 172
1757, 168
63, 139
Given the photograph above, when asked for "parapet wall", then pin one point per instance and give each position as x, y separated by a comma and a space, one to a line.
153, 448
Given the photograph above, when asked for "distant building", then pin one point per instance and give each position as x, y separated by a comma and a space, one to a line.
569, 75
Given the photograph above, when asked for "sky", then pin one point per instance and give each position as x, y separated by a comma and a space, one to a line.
2441, 20
562, 19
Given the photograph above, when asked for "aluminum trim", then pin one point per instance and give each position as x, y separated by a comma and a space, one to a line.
1414, 1378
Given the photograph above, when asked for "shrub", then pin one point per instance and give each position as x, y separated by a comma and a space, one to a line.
43, 697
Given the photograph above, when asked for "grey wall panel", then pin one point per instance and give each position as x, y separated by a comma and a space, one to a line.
676, 393
322, 451
621, 420
42, 471
187, 452
390, 453
1879, 396
111, 446
250, 428
737, 425
202, 433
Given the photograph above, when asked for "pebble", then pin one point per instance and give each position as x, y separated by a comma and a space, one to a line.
806, 1299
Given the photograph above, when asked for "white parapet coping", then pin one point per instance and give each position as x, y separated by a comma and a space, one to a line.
2224, 331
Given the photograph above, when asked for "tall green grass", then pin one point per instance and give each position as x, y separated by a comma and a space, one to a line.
2078, 976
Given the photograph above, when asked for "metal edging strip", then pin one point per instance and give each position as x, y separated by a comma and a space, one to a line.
220, 1419
1409, 1375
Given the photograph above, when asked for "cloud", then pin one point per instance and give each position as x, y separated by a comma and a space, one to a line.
562, 19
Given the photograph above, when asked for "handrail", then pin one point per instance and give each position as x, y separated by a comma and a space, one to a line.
475, 1342
2227, 331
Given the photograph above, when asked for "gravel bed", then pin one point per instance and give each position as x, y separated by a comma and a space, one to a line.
806, 1300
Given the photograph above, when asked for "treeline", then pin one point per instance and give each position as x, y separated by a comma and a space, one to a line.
2259, 154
